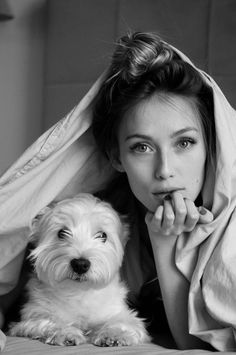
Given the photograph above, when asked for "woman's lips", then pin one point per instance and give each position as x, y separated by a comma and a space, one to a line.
162, 194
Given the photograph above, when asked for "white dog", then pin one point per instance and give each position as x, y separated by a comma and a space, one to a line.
76, 295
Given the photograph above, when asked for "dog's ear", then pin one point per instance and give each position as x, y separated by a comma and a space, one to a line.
34, 224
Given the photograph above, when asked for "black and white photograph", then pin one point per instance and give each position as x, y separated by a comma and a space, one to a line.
117, 177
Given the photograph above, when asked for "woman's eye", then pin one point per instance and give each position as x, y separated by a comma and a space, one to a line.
64, 233
101, 235
140, 148
186, 143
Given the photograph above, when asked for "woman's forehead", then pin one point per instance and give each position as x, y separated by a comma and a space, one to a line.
159, 109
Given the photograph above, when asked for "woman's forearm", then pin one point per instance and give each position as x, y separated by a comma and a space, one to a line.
175, 289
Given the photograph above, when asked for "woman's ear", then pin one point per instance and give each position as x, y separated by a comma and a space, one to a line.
116, 163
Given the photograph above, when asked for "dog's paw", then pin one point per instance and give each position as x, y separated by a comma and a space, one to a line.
108, 337
109, 342
120, 336
47, 332
66, 337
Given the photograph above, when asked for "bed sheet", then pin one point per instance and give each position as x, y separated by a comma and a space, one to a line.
23, 346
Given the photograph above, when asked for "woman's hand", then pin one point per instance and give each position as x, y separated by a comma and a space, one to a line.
175, 216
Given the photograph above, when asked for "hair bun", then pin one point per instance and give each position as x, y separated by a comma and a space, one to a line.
137, 53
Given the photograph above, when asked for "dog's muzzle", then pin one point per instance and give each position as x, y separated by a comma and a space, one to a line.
80, 266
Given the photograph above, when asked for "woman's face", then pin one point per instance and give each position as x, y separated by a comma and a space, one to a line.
161, 149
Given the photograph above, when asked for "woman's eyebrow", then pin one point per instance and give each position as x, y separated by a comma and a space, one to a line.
136, 135
184, 130
177, 133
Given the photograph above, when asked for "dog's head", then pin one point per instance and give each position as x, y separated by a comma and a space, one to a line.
80, 239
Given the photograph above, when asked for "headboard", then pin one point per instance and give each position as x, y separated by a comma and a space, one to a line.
81, 35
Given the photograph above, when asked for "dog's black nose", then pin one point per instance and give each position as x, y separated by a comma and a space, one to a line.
80, 266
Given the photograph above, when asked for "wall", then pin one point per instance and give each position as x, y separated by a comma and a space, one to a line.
21, 78
81, 36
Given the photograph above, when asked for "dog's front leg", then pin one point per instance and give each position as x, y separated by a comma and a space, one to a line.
48, 332
124, 329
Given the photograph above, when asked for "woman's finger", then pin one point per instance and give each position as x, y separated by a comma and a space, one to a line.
168, 213
180, 209
158, 215
192, 215
205, 216
149, 217
154, 220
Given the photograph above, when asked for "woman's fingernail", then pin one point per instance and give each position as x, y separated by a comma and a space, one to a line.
167, 198
202, 211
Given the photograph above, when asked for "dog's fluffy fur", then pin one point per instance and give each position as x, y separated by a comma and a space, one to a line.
76, 295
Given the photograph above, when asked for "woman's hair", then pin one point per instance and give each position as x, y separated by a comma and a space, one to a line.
142, 65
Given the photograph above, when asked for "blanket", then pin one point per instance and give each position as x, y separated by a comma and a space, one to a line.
65, 161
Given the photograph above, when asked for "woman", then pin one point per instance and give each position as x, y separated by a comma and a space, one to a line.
153, 118
169, 134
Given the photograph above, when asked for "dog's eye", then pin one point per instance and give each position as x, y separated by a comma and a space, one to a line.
102, 236
63, 233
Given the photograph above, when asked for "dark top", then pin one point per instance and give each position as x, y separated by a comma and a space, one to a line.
138, 269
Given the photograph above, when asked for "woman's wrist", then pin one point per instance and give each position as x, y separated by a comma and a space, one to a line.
162, 241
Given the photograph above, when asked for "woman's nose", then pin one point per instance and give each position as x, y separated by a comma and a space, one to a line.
164, 167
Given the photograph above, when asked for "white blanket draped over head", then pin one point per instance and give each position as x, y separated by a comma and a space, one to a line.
65, 161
